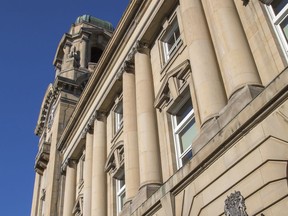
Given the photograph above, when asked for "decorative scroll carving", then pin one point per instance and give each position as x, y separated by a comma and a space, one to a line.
141, 47
68, 162
266, 2
173, 85
115, 161
128, 66
235, 205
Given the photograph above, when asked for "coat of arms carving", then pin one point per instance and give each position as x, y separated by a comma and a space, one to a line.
235, 205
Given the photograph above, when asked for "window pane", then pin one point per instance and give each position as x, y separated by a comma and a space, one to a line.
284, 27
186, 136
278, 5
187, 157
183, 112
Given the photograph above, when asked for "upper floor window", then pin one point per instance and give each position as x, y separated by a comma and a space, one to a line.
278, 12
171, 40
118, 116
184, 131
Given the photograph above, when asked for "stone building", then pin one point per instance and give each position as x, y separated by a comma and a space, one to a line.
181, 110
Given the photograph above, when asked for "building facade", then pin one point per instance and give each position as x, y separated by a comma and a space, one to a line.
181, 110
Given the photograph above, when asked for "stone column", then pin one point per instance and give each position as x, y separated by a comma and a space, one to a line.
208, 85
236, 61
70, 188
99, 182
36, 195
132, 178
87, 190
83, 51
149, 155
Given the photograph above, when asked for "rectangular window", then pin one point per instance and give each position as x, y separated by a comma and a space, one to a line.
118, 117
278, 12
184, 130
121, 194
171, 40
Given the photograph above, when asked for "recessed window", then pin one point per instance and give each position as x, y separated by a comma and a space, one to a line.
278, 12
171, 40
95, 54
121, 194
184, 131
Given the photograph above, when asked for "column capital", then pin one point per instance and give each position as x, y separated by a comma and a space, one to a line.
100, 116
141, 47
128, 67
68, 162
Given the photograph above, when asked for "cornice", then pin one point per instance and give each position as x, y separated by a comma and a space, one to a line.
109, 51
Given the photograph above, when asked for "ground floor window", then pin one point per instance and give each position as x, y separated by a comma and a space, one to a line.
121, 194
184, 131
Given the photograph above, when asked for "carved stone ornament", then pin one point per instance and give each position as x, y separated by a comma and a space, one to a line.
235, 205
266, 2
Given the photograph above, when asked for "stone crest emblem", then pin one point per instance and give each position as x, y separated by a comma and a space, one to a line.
235, 205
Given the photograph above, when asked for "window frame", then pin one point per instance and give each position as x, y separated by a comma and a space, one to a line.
276, 20
172, 31
177, 128
120, 191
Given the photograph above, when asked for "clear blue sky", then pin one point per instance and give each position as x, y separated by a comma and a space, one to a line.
30, 32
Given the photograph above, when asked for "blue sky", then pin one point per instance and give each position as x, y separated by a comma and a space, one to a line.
29, 34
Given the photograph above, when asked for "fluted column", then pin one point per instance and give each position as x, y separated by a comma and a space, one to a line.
99, 182
149, 156
132, 178
236, 61
87, 190
208, 85
70, 188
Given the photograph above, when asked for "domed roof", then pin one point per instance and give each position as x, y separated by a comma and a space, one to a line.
95, 21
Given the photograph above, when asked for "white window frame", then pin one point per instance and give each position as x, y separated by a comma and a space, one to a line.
171, 32
120, 191
118, 116
177, 129
276, 21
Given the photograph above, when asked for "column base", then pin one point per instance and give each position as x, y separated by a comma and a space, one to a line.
235, 104
144, 193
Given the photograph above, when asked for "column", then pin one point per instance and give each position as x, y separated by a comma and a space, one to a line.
70, 188
132, 178
208, 85
236, 61
99, 182
87, 190
83, 51
149, 155
36, 195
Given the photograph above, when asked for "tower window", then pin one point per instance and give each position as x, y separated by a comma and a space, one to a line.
95, 54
